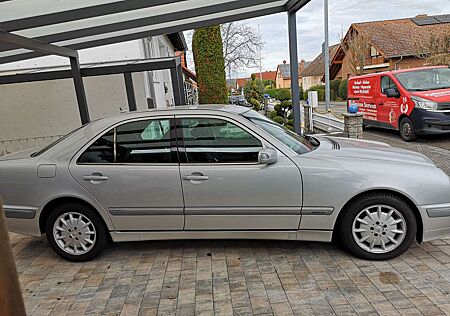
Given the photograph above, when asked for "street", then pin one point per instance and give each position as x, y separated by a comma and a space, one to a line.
436, 147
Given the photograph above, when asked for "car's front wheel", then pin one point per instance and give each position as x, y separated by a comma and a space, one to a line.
378, 226
75, 232
407, 131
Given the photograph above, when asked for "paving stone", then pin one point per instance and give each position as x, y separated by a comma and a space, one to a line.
233, 277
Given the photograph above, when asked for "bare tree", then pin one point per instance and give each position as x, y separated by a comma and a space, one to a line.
241, 46
356, 48
436, 51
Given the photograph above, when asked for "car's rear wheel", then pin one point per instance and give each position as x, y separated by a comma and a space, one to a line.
407, 131
378, 227
75, 232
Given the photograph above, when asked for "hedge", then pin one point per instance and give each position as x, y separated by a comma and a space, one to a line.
343, 89
209, 65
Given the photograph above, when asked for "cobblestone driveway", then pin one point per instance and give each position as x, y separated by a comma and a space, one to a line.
233, 277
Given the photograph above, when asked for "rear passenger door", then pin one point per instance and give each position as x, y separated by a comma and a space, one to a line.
133, 171
224, 186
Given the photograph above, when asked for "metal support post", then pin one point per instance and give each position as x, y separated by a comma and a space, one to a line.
130, 91
293, 57
79, 90
326, 51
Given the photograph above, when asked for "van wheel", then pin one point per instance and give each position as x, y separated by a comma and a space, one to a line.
407, 131
75, 232
378, 226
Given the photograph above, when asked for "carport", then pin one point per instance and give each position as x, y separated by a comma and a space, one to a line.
51, 27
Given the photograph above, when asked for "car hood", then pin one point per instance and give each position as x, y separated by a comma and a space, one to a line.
19, 155
369, 150
441, 95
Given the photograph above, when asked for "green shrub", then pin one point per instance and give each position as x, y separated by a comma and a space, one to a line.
283, 94
256, 104
343, 89
320, 92
207, 48
301, 93
334, 89
278, 119
272, 93
272, 114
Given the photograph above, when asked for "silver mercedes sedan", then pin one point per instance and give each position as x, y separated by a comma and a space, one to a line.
221, 172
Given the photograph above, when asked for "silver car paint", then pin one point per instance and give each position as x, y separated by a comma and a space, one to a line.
330, 177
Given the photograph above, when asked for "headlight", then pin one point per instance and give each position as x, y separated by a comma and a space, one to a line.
424, 103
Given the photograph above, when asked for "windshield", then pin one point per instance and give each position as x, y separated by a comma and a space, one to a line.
51, 145
296, 142
425, 80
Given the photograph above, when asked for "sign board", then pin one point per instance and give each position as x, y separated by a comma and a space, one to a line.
313, 99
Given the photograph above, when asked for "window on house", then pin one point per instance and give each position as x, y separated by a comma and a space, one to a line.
374, 52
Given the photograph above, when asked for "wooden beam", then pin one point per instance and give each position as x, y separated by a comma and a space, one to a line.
11, 301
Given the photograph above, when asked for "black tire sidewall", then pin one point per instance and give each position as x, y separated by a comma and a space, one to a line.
383, 199
101, 238
413, 135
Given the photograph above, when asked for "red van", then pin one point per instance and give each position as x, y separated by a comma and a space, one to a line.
414, 101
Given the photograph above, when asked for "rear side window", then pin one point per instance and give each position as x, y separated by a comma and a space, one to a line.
146, 141
101, 151
208, 140
387, 83
143, 142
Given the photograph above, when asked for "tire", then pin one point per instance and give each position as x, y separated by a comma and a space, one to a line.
89, 235
358, 237
407, 131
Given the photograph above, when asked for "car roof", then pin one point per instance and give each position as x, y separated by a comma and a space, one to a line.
394, 72
174, 110
230, 108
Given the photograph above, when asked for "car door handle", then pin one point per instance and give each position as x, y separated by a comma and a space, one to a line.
195, 177
95, 177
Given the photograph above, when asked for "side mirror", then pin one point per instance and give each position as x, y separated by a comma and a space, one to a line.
267, 156
392, 93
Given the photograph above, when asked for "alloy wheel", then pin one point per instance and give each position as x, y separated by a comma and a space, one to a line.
74, 233
379, 229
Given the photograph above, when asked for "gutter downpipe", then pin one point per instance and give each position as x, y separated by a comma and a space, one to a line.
395, 64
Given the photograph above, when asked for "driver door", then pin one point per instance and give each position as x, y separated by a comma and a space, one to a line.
224, 186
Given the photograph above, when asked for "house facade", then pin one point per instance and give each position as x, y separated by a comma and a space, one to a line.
390, 44
283, 74
312, 74
49, 108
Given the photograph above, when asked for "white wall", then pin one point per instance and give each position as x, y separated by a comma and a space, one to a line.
27, 112
50, 108
155, 47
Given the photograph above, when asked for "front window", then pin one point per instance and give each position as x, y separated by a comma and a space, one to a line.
209, 140
387, 83
425, 80
296, 142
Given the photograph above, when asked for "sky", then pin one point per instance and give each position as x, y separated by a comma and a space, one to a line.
342, 13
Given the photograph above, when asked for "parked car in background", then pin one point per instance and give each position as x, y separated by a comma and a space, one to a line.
414, 101
239, 100
221, 172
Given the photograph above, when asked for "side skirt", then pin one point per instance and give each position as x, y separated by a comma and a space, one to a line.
306, 235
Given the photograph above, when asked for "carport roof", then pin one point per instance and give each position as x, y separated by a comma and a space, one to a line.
89, 23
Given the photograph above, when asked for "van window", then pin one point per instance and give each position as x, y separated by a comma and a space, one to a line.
387, 83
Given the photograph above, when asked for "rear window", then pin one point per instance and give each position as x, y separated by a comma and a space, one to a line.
56, 142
